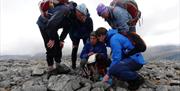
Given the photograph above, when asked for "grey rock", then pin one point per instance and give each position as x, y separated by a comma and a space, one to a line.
72, 85
16, 79
103, 85
145, 89
150, 84
159, 76
86, 88
120, 89
20, 72
97, 89
34, 81
17, 89
63, 69
75, 85
16, 76
177, 66
60, 69
170, 74
12, 83
68, 87
2, 76
162, 88
38, 72
5, 83
35, 88
119, 83
28, 84
84, 80
163, 82
57, 83
2, 89
174, 88
174, 83
3, 68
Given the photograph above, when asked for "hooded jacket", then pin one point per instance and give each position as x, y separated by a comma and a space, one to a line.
82, 29
118, 19
120, 45
98, 48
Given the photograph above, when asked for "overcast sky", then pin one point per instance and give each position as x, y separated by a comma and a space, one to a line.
19, 34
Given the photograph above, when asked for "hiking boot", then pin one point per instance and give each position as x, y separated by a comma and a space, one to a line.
50, 68
73, 66
135, 84
57, 65
52, 72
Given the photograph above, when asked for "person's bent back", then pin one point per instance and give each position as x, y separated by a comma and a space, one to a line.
124, 68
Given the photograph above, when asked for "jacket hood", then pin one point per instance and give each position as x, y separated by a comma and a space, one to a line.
111, 32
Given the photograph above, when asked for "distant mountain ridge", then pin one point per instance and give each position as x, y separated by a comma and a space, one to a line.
162, 53
15, 57
169, 52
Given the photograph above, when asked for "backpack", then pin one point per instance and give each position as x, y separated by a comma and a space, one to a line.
137, 41
44, 6
131, 6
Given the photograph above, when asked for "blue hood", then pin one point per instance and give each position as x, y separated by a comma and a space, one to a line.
110, 33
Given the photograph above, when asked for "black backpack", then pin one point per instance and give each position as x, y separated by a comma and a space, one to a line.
137, 41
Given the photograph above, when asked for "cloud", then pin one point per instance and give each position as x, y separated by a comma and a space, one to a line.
19, 33
160, 22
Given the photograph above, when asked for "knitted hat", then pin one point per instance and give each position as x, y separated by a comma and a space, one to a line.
101, 8
82, 8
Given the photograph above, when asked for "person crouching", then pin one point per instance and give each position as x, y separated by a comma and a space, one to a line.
94, 54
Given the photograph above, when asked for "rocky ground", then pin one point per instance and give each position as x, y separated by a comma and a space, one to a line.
30, 75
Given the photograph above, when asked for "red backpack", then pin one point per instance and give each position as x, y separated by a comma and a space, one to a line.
131, 6
44, 6
136, 40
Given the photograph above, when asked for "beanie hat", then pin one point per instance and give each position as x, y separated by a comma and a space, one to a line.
82, 8
101, 8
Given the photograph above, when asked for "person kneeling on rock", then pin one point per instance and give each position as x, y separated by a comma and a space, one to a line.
123, 68
94, 54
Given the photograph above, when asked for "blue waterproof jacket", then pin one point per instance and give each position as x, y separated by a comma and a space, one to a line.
120, 45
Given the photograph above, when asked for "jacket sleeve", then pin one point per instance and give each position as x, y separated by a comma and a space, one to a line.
90, 25
84, 53
127, 45
103, 50
55, 21
122, 17
116, 48
64, 34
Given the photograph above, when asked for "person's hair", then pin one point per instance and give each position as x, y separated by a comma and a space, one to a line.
101, 31
93, 33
